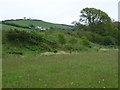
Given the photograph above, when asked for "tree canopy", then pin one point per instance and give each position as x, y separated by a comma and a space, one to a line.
97, 26
94, 16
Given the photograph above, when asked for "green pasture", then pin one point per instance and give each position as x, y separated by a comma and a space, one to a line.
88, 69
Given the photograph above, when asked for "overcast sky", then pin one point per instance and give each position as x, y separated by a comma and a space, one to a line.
56, 11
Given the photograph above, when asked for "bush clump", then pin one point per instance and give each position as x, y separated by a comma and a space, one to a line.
108, 40
85, 41
61, 39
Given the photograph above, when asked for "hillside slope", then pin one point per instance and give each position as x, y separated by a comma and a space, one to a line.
18, 37
25, 41
34, 22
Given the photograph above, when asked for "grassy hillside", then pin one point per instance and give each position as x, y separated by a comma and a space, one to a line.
8, 27
23, 40
27, 23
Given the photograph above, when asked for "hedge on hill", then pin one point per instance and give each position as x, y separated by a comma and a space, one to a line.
30, 40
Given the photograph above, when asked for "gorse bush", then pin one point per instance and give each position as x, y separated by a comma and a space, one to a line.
75, 47
46, 47
30, 40
73, 40
33, 40
24, 37
61, 39
85, 41
96, 38
55, 50
16, 35
108, 40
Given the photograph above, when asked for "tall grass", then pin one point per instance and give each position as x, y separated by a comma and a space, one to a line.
83, 70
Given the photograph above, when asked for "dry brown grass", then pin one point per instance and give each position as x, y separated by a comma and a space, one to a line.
52, 53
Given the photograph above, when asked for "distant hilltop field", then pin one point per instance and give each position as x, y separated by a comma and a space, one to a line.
35, 24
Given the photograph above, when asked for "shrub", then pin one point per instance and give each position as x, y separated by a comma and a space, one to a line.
45, 47
24, 37
16, 52
69, 47
61, 39
108, 40
85, 41
73, 40
16, 35
75, 47
55, 50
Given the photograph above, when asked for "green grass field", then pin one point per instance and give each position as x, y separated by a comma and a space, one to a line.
8, 27
84, 70
39, 23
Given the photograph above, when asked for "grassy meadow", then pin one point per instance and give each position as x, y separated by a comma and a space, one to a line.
88, 69
39, 22
62, 57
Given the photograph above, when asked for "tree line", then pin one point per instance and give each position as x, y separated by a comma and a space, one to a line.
97, 27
